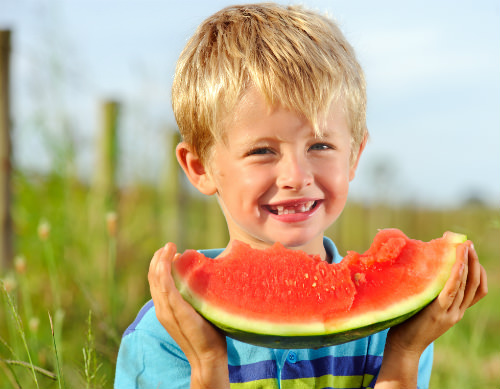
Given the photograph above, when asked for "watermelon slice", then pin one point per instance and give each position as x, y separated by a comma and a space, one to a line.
283, 298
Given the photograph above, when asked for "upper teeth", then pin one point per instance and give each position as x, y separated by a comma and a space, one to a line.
303, 207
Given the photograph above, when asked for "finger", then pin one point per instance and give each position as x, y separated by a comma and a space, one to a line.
167, 253
185, 324
153, 265
163, 292
161, 255
452, 286
164, 267
482, 290
473, 277
457, 304
162, 272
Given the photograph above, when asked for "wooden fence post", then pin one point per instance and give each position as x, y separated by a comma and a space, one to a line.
5, 151
105, 170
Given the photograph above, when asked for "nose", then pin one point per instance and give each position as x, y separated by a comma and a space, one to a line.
294, 173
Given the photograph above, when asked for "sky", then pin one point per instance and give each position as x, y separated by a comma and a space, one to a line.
432, 68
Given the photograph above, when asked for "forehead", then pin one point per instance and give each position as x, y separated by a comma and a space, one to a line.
252, 111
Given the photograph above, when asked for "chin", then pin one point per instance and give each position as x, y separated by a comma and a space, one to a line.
294, 243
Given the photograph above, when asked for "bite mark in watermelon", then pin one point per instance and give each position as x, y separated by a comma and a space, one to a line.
285, 298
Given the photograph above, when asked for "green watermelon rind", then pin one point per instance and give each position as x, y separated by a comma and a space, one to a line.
314, 335
313, 340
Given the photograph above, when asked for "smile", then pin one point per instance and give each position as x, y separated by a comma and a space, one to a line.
289, 209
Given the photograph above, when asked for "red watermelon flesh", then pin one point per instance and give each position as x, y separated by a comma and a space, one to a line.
274, 280
286, 298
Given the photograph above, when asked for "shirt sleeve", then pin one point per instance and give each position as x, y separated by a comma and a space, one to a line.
146, 360
376, 349
425, 367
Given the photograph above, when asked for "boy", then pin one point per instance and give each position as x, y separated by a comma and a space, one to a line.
270, 102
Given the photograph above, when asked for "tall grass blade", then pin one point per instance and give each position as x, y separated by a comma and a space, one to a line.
59, 371
11, 374
91, 367
40, 370
53, 271
12, 377
19, 325
6, 345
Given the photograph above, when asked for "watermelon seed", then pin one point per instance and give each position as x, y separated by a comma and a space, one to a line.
306, 275
359, 278
314, 285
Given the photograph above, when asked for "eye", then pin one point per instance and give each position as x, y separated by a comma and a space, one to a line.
321, 146
260, 151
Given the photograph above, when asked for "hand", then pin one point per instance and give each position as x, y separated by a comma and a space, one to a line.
465, 287
406, 342
204, 346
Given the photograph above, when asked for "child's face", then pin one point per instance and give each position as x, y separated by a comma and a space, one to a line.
276, 180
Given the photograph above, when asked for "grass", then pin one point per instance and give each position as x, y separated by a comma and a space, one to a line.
80, 277
20, 329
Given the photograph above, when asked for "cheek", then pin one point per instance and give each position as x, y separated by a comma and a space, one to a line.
336, 183
339, 191
253, 179
338, 174
241, 187
342, 186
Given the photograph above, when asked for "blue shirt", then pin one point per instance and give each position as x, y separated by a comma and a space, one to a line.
149, 358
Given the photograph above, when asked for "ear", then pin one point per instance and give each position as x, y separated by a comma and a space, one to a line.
354, 164
194, 169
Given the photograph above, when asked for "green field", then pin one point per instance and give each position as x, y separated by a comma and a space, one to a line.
80, 276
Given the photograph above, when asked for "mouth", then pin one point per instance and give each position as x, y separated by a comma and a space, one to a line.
292, 208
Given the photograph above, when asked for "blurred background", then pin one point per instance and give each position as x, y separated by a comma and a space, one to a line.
90, 187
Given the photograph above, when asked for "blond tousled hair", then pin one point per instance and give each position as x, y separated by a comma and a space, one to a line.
294, 57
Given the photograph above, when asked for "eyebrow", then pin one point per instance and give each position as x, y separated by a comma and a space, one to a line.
249, 142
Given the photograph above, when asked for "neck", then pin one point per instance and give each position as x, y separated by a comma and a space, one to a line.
314, 247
